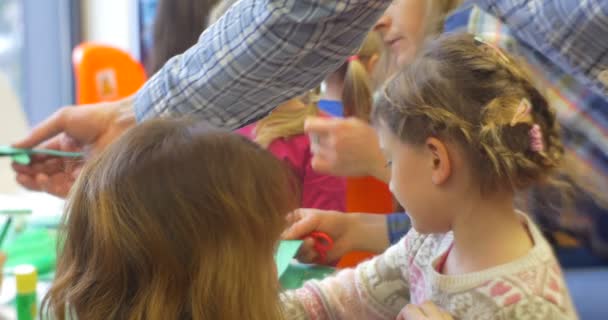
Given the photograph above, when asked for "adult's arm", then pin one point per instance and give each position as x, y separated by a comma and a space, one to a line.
259, 54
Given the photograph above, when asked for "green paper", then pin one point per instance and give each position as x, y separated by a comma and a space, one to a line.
22, 156
37, 247
285, 253
296, 274
14, 211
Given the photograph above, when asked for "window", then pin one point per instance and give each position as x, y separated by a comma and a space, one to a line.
11, 44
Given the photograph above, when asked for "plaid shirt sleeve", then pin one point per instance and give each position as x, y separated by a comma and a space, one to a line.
568, 32
258, 55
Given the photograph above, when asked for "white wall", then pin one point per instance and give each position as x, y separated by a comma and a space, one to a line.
112, 22
14, 127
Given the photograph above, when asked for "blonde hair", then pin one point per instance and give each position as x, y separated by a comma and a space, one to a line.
358, 84
176, 220
468, 92
286, 122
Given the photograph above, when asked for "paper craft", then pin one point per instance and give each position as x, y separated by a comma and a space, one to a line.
285, 253
22, 156
292, 275
297, 273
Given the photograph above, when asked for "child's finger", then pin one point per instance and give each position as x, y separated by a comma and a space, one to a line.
319, 125
321, 164
307, 253
412, 312
293, 217
432, 311
302, 227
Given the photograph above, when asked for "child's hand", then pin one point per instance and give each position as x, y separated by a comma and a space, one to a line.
350, 232
335, 224
425, 311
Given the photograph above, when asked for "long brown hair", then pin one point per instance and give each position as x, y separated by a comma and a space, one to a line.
177, 26
176, 220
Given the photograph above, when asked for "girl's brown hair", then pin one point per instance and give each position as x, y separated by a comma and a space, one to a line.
466, 91
177, 26
176, 220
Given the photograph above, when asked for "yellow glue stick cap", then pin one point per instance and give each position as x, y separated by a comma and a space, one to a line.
26, 277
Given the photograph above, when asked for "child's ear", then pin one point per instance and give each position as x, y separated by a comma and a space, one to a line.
372, 62
440, 161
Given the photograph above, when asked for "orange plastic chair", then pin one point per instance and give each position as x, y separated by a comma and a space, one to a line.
105, 73
367, 195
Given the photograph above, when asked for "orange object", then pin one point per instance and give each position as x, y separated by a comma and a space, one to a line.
105, 73
367, 195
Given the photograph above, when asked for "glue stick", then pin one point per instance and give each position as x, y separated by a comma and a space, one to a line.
27, 278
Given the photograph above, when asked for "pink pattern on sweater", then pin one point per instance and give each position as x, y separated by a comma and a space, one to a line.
500, 289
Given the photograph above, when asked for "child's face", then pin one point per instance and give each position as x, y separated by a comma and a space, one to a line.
403, 28
412, 170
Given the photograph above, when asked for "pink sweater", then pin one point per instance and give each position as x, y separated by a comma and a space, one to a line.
318, 190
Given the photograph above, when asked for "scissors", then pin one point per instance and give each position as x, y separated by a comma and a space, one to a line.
322, 244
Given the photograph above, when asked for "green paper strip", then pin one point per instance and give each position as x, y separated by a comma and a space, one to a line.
285, 253
22, 156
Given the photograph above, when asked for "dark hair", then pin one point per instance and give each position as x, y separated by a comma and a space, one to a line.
175, 220
177, 27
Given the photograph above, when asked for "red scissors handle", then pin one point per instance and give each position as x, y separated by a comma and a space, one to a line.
322, 244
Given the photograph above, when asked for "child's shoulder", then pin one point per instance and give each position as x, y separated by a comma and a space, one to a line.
424, 247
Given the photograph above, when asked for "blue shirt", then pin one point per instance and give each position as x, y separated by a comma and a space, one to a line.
332, 107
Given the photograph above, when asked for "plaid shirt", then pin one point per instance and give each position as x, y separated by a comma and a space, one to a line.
262, 53
259, 54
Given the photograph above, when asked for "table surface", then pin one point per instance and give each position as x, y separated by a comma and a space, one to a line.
46, 209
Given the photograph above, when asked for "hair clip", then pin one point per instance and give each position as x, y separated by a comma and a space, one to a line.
479, 41
536, 139
352, 58
523, 110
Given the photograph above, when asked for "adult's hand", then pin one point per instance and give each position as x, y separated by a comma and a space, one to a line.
346, 147
88, 128
350, 232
